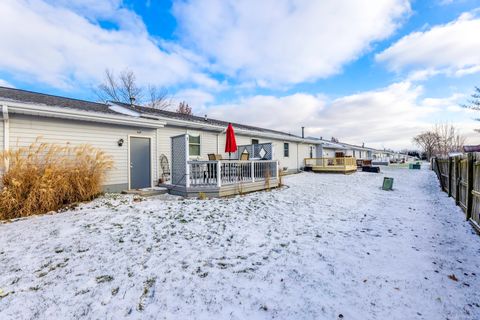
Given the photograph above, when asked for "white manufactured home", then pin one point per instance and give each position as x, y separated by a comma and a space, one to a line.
145, 145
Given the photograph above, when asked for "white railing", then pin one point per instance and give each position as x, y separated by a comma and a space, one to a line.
222, 173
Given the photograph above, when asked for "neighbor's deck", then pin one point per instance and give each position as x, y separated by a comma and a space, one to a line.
332, 165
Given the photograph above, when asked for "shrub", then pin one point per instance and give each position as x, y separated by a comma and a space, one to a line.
45, 177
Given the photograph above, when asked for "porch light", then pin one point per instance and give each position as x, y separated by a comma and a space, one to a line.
120, 142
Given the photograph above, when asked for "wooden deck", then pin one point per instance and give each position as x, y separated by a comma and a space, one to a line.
220, 178
224, 191
344, 165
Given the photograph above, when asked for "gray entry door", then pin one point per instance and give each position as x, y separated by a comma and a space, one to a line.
140, 163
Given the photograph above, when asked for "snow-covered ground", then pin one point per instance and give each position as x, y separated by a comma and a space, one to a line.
327, 247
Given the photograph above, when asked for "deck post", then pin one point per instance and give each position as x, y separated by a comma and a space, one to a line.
252, 169
276, 169
187, 165
219, 174
187, 176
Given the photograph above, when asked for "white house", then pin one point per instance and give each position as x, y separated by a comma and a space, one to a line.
358, 152
135, 137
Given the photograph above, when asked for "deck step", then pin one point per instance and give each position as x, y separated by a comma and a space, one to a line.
147, 192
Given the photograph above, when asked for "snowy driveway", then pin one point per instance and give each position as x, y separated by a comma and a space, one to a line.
327, 247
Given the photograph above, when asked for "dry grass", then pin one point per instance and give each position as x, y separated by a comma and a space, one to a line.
45, 177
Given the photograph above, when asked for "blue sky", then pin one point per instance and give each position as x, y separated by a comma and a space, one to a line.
377, 72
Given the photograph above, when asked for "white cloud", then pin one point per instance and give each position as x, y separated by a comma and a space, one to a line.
54, 44
285, 41
196, 98
388, 117
5, 83
451, 49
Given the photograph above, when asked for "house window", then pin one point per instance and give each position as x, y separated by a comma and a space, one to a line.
254, 141
194, 145
286, 149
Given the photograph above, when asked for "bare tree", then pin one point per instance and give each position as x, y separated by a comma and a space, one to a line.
428, 142
158, 98
184, 108
125, 89
449, 139
442, 140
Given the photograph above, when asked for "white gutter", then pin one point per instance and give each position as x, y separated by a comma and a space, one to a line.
67, 113
6, 132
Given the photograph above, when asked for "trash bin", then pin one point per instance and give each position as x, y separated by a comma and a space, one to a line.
416, 166
371, 169
387, 183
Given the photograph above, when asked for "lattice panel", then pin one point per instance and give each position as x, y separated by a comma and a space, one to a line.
262, 151
179, 159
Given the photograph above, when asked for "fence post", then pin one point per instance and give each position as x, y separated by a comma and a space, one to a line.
470, 178
439, 174
456, 167
449, 176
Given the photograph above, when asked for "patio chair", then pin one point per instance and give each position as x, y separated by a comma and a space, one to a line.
244, 156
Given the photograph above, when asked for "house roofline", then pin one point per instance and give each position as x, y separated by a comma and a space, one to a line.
219, 129
73, 114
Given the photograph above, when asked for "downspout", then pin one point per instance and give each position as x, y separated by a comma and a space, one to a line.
218, 139
298, 167
6, 133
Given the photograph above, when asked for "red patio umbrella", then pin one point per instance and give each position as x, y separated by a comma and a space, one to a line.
230, 142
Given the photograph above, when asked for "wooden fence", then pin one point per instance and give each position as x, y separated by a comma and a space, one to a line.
459, 176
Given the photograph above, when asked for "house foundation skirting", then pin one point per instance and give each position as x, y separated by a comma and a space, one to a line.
224, 191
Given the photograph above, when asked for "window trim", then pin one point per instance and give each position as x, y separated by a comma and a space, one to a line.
286, 151
199, 144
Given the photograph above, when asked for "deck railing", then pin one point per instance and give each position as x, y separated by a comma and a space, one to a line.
222, 173
331, 162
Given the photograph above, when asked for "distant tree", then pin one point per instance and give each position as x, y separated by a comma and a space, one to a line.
449, 139
440, 141
158, 98
428, 142
474, 102
124, 88
184, 108
413, 153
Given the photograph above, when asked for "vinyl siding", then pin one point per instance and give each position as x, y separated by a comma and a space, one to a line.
328, 153
1, 134
304, 152
210, 144
25, 129
208, 141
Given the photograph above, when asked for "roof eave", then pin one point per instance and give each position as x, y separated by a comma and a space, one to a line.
72, 114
